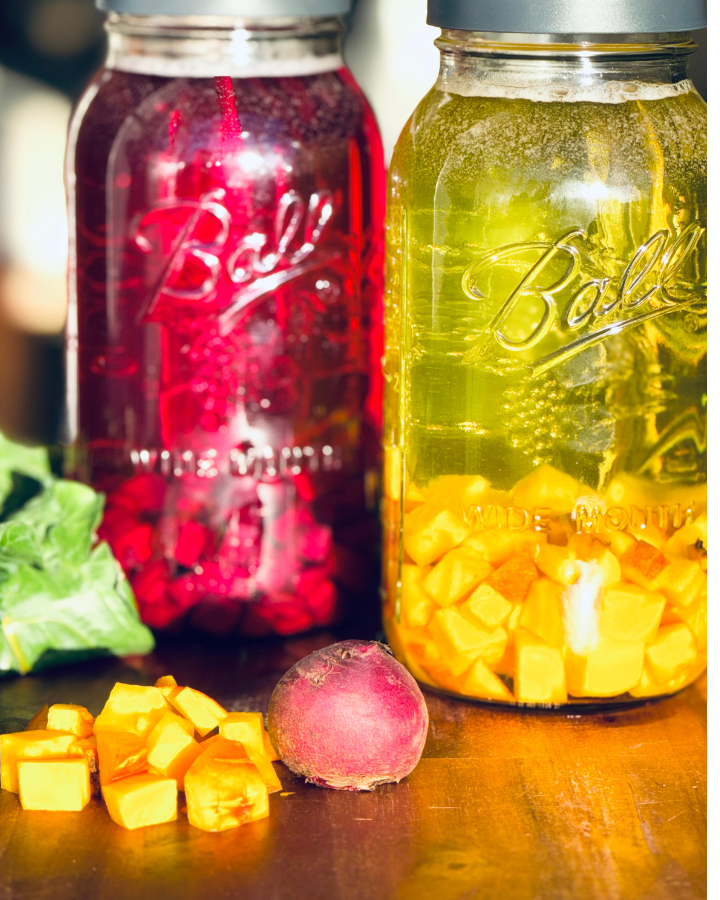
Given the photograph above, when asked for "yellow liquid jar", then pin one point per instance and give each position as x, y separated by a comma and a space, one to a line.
545, 531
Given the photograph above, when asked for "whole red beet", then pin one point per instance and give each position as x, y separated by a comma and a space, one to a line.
349, 717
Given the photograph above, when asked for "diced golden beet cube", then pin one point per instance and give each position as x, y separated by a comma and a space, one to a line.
494, 648
270, 751
440, 676
462, 494
644, 565
475, 492
170, 718
39, 720
542, 612
513, 621
417, 606
87, 747
171, 750
54, 784
527, 542
120, 754
630, 613
457, 640
420, 643
165, 685
460, 643
131, 708
683, 581
608, 562
590, 549
549, 488
448, 490
430, 531
248, 728
454, 577
558, 563
411, 660
481, 682
620, 543
670, 616
410, 643
687, 538
224, 789
581, 545
414, 495
506, 665
267, 772
201, 710
539, 671
245, 727
416, 670
497, 545
695, 617
648, 687
611, 668
513, 578
141, 800
486, 608
36, 744
673, 650
71, 719
649, 533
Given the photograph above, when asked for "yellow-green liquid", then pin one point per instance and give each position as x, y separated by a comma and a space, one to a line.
472, 175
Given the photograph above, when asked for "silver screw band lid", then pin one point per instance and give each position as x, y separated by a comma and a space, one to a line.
569, 16
241, 9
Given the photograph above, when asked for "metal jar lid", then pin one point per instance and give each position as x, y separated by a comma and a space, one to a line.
569, 16
241, 9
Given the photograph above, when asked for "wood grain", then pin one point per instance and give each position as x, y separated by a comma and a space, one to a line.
504, 805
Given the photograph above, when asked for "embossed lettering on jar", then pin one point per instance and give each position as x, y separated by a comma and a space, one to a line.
226, 198
545, 432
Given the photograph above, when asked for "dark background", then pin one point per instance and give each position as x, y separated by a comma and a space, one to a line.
61, 43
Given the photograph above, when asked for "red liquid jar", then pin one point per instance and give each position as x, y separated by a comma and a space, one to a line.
226, 196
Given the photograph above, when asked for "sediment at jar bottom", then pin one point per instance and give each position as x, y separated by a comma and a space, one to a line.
548, 592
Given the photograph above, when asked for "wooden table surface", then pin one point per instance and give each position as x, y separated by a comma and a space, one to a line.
503, 805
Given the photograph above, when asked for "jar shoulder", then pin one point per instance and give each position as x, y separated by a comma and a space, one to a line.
453, 138
315, 110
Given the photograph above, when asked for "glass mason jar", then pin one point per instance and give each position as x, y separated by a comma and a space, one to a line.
545, 533
226, 192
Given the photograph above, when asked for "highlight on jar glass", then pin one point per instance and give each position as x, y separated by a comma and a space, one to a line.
226, 194
544, 511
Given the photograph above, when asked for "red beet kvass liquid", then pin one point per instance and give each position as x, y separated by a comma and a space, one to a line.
225, 321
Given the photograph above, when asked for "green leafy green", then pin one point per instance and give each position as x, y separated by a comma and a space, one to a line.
16, 458
63, 518
59, 594
18, 546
